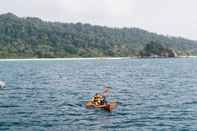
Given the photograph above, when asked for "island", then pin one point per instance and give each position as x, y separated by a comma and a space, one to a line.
31, 37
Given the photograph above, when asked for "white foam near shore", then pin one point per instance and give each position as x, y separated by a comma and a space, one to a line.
49, 59
2, 84
91, 58
187, 56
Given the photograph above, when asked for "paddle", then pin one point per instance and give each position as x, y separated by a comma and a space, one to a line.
106, 90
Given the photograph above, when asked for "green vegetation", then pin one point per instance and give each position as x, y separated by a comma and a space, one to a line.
155, 49
32, 37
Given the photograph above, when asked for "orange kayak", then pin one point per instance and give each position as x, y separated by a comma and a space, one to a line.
109, 106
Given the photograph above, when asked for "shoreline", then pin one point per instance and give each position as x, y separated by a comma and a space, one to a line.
187, 57
81, 58
76, 58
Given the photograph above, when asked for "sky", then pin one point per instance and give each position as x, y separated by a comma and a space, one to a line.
168, 17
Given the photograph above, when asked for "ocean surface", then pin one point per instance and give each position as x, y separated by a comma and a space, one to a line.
49, 95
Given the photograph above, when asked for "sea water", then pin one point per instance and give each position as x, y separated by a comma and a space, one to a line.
153, 94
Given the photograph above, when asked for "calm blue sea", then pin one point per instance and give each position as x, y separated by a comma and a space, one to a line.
153, 94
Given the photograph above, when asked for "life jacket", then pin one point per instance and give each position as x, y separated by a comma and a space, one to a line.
97, 99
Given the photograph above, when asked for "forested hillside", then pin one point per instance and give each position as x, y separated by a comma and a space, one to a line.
32, 37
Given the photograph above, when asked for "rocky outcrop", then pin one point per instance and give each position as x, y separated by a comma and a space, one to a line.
156, 50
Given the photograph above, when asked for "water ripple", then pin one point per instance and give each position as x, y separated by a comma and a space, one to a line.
152, 94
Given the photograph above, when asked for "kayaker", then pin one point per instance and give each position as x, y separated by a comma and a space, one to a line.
99, 99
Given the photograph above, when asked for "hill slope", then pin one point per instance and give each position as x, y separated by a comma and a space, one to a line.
32, 37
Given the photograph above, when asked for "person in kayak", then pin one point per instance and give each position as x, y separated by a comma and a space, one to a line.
99, 99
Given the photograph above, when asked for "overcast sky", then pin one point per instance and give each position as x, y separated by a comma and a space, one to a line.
168, 17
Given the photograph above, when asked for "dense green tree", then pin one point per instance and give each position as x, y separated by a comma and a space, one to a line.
156, 49
32, 37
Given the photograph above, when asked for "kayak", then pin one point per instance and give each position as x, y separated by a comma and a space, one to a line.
108, 107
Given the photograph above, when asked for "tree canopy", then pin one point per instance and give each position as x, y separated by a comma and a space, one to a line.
33, 37
155, 49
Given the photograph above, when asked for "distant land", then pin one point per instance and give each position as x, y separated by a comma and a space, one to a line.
30, 37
